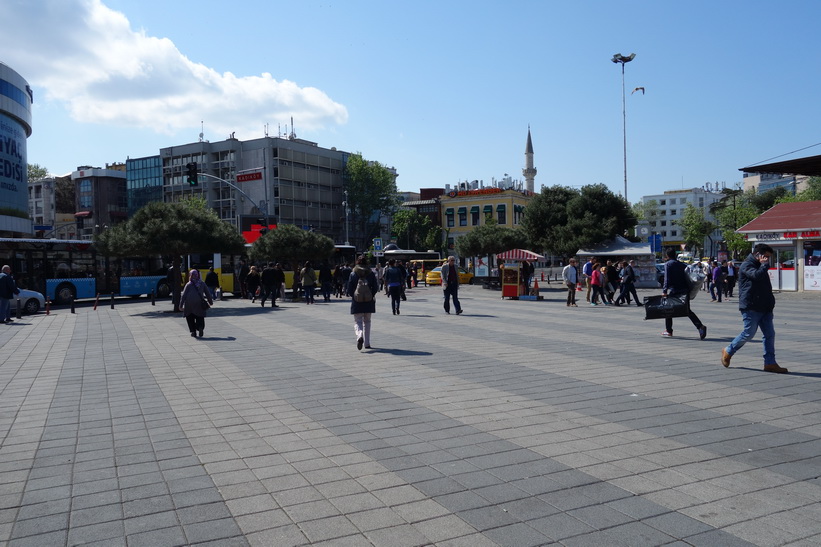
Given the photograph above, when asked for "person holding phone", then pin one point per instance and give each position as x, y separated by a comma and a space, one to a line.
756, 303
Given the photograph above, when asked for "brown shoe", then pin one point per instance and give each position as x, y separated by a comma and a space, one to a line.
775, 368
725, 357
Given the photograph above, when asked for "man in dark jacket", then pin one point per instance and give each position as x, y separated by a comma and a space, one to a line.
756, 303
8, 288
677, 284
268, 285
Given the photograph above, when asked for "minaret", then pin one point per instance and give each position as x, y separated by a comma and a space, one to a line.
529, 172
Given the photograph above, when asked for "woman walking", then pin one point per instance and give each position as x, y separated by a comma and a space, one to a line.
252, 281
362, 304
308, 277
194, 303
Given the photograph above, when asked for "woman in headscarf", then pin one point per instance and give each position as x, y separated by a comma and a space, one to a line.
194, 302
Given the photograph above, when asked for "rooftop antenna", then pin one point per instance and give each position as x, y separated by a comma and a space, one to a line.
292, 136
266, 130
202, 130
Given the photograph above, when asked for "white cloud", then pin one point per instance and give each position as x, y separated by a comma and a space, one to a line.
86, 56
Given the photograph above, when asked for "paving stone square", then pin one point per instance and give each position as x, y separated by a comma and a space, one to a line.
516, 423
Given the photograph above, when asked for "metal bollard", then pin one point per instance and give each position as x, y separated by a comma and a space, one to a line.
48, 306
96, 301
153, 298
19, 309
112, 301
72, 306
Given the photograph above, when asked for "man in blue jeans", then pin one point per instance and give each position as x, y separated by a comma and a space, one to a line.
756, 302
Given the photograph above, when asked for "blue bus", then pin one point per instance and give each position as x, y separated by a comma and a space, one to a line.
66, 269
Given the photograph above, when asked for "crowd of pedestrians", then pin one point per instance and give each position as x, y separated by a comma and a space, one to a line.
607, 282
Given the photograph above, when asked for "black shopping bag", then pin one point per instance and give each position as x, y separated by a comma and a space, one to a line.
661, 307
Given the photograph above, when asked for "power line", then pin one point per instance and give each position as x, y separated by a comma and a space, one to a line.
782, 155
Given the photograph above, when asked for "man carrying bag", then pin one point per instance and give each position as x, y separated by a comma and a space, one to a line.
675, 297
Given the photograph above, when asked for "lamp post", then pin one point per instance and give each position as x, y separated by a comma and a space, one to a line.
347, 210
622, 59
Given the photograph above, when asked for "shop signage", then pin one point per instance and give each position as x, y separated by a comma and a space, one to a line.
806, 234
454, 193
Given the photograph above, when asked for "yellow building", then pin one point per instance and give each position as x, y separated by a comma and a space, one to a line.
464, 210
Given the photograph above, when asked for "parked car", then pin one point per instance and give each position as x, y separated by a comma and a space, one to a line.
434, 276
31, 301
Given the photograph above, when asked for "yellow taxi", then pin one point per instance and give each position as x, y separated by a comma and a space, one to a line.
434, 277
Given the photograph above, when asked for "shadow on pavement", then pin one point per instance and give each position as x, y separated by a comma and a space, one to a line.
398, 351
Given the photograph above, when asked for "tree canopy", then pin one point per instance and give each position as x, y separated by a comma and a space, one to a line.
291, 244
174, 229
491, 239
36, 172
415, 231
371, 191
695, 227
562, 220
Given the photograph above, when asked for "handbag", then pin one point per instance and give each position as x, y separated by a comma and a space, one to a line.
662, 307
205, 304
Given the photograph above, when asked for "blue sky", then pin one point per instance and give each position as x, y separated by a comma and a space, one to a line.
442, 91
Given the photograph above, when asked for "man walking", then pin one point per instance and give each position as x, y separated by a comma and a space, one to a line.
570, 277
756, 302
628, 284
676, 284
450, 285
268, 285
587, 273
8, 288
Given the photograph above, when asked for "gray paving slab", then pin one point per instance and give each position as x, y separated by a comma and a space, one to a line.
516, 423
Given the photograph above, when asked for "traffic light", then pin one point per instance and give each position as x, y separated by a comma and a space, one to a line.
193, 177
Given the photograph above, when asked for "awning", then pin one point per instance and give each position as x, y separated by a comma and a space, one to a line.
800, 216
83, 214
463, 210
474, 209
520, 254
448, 212
518, 208
810, 166
488, 208
500, 207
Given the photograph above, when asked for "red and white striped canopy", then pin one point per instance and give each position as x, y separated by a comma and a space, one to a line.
520, 254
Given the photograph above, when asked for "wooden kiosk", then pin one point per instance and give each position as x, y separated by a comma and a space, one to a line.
512, 282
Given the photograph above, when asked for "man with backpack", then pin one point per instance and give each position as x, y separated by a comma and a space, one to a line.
362, 286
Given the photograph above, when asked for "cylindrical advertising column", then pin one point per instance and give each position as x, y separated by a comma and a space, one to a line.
15, 128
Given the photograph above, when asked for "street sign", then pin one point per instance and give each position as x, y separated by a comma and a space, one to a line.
378, 253
249, 176
377, 244
655, 243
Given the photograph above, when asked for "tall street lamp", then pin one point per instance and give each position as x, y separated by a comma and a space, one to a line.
345, 205
621, 59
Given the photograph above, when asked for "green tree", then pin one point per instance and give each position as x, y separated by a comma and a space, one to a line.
645, 211
372, 193
291, 244
36, 172
546, 217
811, 193
64, 194
174, 229
563, 220
491, 239
695, 228
415, 231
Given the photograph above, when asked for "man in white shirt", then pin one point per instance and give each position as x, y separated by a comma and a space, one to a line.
570, 276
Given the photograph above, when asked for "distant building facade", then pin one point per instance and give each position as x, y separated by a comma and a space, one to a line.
288, 180
144, 182
764, 182
669, 211
101, 199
